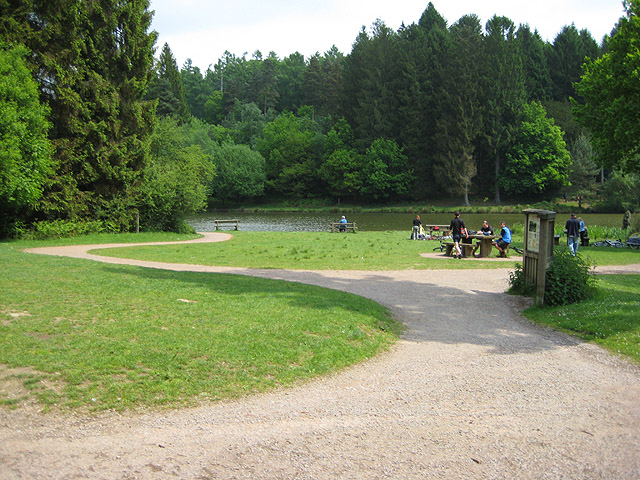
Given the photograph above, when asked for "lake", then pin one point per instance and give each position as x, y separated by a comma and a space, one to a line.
318, 222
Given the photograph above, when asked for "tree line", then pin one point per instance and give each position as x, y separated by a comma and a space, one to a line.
472, 111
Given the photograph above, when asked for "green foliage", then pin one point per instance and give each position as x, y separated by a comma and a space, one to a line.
537, 160
583, 169
518, 284
177, 179
384, 173
64, 229
240, 173
568, 279
610, 318
620, 192
25, 151
610, 87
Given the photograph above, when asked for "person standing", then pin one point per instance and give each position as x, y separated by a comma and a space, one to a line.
457, 229
416, 228
572, 227
583, 232
505, 239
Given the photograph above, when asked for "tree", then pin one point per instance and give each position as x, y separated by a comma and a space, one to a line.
610, 89
460, 120
25, 151
240, 173
384, 171
537, 160
177, 179
584, 170
93, 61
167, 87
423, 56
341, 169
504, 90
286, 146
565, 58
537, 76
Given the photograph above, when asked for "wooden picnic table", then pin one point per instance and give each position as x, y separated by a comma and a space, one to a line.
441, 230
486, 242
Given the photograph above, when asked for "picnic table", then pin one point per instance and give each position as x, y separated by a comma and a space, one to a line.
486, 242
439, 230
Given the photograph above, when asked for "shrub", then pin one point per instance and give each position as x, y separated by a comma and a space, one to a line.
568, 279
518, 284
64, 229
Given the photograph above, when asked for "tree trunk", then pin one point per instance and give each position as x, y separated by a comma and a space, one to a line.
497, 198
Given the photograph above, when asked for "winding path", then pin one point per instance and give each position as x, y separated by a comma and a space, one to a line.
471, 391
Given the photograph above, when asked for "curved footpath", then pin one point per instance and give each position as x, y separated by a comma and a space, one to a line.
471, 391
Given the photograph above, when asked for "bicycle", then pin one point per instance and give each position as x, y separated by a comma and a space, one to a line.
609, 243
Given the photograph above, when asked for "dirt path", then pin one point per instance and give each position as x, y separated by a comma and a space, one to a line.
472, 390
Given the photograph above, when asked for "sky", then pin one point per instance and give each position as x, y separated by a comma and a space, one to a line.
203, 30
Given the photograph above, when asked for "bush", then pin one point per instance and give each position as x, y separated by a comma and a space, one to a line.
63, 229
518, 284
568, 279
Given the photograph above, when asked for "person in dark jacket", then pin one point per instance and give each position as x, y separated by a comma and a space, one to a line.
572, 227
457, 228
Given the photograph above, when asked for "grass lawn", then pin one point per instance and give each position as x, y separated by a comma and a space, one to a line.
80, 334
611, 319
308, 250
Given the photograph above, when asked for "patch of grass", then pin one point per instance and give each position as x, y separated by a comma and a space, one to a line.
307, 251
609, 255
610, 319
98, 336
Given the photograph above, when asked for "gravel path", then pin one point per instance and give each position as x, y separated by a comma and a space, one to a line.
472, 390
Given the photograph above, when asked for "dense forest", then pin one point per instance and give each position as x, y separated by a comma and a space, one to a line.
101, 128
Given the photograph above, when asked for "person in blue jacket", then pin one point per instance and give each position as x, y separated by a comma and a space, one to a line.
342, 228
505, 239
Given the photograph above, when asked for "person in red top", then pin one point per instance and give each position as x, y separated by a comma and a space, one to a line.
458, 229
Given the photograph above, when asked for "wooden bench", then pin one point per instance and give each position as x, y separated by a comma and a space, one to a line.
344, 227
226, 223
467, 249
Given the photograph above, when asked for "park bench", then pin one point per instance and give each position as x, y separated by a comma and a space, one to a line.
226, 223
344, 227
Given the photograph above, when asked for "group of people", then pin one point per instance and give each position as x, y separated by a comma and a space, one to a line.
458, 229
576, 231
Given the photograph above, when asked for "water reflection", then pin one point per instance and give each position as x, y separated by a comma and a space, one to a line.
320, 222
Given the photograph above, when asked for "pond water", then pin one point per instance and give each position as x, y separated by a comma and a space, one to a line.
318, 222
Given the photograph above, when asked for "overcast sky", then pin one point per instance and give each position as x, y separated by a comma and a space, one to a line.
203, 29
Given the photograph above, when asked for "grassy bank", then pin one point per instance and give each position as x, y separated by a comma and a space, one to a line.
332, 251
610, 319
80, 334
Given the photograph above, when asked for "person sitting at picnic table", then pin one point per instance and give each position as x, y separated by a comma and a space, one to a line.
486, 229
505, 239
342, 228
416, 228
458, 229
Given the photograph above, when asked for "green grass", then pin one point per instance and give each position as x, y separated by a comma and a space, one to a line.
611, 319
307, 250
80, 334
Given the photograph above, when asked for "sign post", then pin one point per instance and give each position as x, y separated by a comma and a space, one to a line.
538, 248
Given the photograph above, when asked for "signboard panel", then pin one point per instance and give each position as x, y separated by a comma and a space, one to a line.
533, 234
